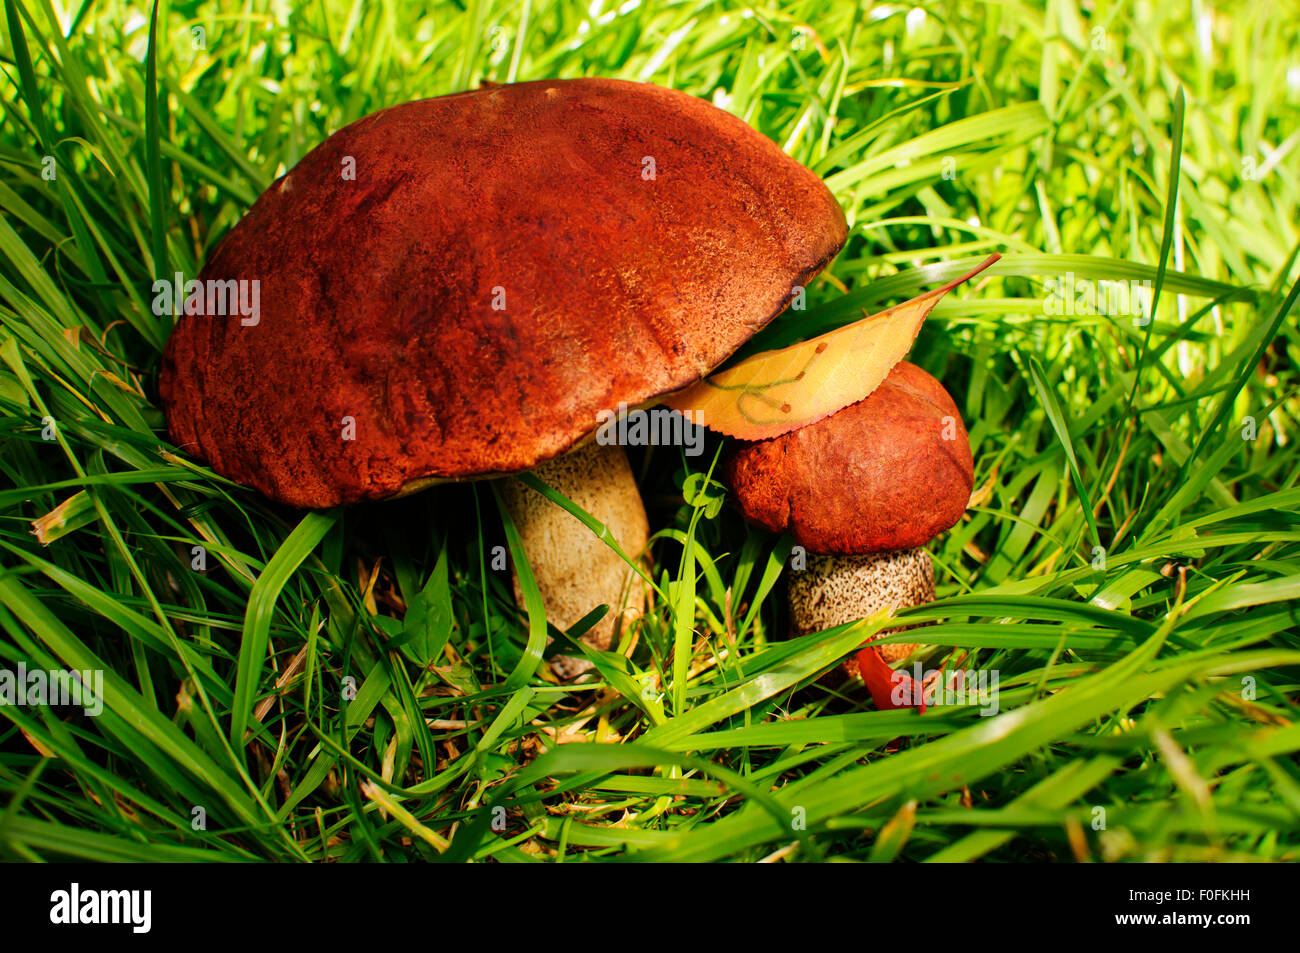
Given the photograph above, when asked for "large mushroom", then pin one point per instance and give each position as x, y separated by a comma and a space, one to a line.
457, 288
863, 491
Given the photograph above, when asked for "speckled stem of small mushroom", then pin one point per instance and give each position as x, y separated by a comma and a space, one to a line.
575, 570
833, 590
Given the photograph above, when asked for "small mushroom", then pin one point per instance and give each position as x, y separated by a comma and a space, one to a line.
457, 288
863, 491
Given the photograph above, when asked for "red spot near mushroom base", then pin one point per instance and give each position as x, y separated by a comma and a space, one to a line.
882, 681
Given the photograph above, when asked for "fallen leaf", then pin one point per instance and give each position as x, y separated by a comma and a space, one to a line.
775, 392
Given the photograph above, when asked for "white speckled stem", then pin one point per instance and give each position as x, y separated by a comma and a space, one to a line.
575, 571
833, 590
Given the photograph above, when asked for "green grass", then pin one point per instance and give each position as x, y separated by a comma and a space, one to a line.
1002, 126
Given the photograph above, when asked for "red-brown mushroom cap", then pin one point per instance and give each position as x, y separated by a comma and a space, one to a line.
505, 264
889, 472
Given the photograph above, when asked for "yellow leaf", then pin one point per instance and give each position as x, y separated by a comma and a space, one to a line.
774, 392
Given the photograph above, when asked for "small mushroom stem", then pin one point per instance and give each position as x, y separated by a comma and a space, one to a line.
834, 590
575, 570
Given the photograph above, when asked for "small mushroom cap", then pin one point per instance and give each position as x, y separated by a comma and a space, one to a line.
470, 279
889, 472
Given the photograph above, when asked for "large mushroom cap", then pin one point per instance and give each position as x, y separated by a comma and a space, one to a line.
890, 472
503, 265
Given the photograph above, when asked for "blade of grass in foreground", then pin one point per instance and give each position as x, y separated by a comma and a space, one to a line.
533, 606
1052, 408
261, 608
153, 153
